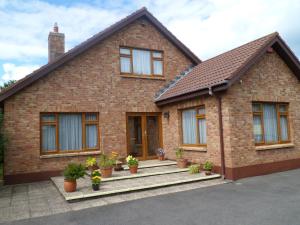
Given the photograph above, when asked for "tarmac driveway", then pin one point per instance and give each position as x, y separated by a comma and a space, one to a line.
272, 199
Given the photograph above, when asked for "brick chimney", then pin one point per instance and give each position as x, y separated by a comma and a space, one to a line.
56, 44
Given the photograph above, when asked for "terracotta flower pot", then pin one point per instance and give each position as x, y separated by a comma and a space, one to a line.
118, 166
70, 185
161, 157
92, 168
95, 187
133, 169
208, 172
182, 163
106, 172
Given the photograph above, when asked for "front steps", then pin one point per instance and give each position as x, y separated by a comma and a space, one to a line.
151, 174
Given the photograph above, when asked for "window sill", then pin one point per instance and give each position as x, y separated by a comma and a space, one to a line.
69, 154
143, 77
195, 149
276, 146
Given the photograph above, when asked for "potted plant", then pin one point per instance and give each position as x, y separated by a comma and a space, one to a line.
181, 162
106, 165
96, 180
207, 167
132, 163
195, 168
118, 163
160, 154
91, 164
71, 173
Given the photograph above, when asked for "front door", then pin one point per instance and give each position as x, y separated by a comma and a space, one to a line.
143, 134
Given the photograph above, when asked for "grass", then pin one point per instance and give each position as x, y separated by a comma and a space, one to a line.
1, 171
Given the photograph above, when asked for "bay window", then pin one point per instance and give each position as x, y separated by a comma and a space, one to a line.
194, 126
69, 132
270, 123
141, 62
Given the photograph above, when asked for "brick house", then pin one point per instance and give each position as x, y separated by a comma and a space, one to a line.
134, 87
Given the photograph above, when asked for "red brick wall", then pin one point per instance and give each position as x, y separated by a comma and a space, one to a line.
90, 82
269, 80
172, 131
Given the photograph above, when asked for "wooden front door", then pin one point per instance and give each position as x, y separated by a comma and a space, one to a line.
143, 134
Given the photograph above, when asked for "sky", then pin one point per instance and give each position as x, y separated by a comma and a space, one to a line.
207, 27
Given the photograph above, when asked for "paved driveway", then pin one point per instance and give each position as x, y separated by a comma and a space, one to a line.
272, 199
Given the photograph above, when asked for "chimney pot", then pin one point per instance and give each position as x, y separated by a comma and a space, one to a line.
55, 28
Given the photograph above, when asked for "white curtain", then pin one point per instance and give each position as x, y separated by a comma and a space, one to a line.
70, 132
91, 136
90, 116
125, 65
270, 123
49, 138
284, 128
257, 129
202, 131
141, 62
157, 67
48, 117
189, 126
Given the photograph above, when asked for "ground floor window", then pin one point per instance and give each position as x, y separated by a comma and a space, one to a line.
68, 132
194, 126
270, 123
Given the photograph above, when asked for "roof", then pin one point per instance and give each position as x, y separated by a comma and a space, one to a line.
46, 69
220, 72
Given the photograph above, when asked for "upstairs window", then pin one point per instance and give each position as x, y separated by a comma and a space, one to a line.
270, 123
141, 62
194, 127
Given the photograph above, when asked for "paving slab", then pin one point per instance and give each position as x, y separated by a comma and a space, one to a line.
53, 202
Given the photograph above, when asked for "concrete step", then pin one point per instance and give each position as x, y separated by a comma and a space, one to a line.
153, 163
145, 172
113, 187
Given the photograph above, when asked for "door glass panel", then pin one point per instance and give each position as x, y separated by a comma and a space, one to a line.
152, 135
135, 136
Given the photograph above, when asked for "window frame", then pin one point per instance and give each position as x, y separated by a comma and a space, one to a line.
84, 122
198, 117
152, 58
278, 114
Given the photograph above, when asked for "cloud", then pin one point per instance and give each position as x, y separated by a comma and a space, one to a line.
27, 25
14, 72
207, 27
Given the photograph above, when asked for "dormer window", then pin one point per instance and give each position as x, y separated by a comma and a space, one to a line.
141, 62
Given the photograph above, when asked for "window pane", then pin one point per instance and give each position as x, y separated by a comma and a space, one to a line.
125, 51
91, 134
157, 67
189, 126
70, 132
48, 118
256, 107
157, 55
282, 108
270, 123
91, 116
202, 131
284, 128
48, 138
257, 129
141, 62
125, 65
201, 111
